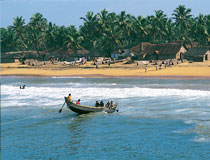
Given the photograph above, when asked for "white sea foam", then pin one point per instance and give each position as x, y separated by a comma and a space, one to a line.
190, 121
201, 139
181, 110
191, 106
49, 95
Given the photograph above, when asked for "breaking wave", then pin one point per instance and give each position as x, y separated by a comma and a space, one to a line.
191, 106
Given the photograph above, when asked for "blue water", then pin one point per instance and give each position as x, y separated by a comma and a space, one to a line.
157, 119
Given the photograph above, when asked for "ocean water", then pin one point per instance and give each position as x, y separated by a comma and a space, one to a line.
157, 119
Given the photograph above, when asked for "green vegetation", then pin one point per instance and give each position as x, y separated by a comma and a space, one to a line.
105, 30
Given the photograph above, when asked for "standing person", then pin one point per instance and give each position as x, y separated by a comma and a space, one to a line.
70, 98
96, 64
145, 68
156, 65
78, 102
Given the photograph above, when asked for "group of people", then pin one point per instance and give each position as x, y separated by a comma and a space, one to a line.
70, 99
101, 104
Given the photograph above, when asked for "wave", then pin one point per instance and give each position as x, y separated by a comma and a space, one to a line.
47, 95
190, 106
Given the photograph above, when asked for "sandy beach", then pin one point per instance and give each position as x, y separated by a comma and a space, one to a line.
198, 70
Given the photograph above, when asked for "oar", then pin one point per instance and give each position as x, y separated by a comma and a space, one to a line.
60, 110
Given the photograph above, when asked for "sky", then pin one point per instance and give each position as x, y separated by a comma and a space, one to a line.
68, 12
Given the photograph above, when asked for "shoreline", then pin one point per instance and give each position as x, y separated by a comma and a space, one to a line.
197, 70
111, 76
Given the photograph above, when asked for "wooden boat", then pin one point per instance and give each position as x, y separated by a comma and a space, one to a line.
82, 109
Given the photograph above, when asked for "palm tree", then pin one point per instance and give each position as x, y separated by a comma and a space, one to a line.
170, 31
73, 39
7, 40
202, 31
124, 23
157, 26
90, 30
37, 32
105, 30
207, 18
160, 21
109, 31
182, 18
51, 36
140, 25
19, 32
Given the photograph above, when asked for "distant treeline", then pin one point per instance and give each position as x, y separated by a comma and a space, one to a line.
105, 30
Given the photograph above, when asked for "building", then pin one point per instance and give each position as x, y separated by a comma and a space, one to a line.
148, 51
10, 57
198, 54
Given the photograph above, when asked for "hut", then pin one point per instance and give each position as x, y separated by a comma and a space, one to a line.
9, 57
148, 51
198, 54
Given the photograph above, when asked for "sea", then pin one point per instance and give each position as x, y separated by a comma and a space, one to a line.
158, 119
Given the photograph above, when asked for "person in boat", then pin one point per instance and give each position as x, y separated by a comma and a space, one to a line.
70, 98
78, 102
97, 104
102, 104
108, 104
111, 104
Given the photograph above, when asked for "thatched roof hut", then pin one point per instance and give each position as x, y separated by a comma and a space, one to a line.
198, 54
148, 51
11, 56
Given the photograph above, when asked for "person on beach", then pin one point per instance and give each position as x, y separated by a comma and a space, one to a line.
96, 64
78, 102
145, 68
166, 65
70, 98
156, 66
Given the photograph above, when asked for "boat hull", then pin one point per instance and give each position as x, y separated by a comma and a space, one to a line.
81, 109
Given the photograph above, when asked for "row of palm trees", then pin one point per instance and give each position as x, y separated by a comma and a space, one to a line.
105, 30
